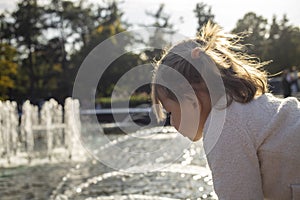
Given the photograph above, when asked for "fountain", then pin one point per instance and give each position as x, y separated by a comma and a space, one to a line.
163, 178
53, 125
150, 163
28, 119
8, 129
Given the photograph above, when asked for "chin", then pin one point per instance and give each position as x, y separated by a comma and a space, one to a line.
192, 138
192, 135
195, 138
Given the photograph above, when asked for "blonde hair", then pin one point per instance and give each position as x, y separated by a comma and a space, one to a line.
240, 72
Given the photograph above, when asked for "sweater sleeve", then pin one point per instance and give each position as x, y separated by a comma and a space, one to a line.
235, 166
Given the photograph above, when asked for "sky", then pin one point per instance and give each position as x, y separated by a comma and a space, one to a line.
226, 12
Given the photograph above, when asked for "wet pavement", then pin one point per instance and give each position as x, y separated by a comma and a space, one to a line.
150, 164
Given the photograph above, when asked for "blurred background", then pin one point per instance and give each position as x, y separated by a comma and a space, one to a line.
44, 42
42, 46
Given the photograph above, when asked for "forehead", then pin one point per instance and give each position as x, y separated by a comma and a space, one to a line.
167, 99
160, 96
161, 93
164, 94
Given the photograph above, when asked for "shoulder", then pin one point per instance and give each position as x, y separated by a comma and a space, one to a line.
258, 113
251, 121
265, 103
268, 103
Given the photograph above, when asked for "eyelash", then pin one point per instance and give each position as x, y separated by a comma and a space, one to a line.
169, 114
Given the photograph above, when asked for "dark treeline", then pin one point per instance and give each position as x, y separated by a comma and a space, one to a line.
43, 44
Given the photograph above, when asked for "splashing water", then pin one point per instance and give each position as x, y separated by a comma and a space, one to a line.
183, 178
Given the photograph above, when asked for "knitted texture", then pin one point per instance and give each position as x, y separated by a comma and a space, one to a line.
257, 155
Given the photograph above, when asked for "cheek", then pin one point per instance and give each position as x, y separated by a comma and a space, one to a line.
175, 120
190, 118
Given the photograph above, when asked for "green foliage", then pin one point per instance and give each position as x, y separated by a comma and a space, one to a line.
8, 69
282, 45
115, 71
256, 27
134, 101
277, 41
43, 45
48, 63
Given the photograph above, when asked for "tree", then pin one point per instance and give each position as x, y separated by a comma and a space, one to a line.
163, 28
72, 23
282, 45
8, 69
109, 23
28, 26
255, 27
279, 41
6, 29
203, 14
52, 40
94, 26
115, 71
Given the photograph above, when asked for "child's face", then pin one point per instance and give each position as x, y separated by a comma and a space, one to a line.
184, 116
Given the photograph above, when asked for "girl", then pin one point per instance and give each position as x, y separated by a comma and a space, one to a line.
251, 138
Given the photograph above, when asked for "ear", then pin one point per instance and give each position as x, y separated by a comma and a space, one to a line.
197, 104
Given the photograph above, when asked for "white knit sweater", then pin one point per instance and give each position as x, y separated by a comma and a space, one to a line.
257, 153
